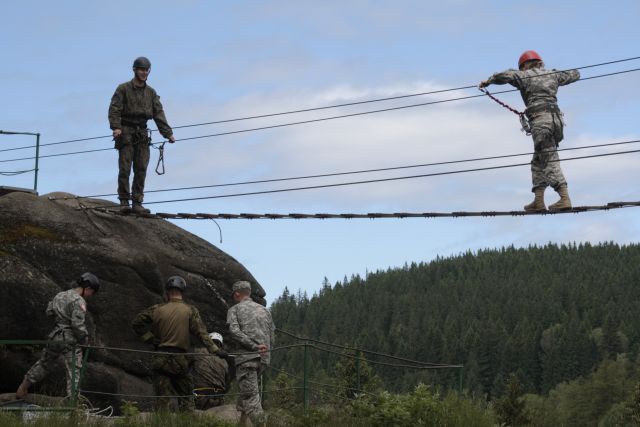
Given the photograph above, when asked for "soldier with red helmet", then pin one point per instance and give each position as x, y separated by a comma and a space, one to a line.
538, 87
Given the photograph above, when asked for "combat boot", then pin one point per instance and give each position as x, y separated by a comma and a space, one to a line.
139, 209
538, 202
124, 206
564, 203
23, 389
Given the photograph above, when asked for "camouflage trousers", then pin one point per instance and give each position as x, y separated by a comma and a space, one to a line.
172, 377
248, 403
546, 130
49, 359
133, 150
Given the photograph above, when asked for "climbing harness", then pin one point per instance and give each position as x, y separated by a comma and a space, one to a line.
524, 122
160, 165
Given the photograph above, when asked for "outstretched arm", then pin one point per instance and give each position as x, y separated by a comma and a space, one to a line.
512, 77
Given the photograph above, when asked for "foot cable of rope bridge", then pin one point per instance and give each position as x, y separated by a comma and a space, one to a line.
373, 215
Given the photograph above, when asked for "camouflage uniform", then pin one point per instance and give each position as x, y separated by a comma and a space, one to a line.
538, 88
251, 324
68, 309
210, 379
169, 327
131, 107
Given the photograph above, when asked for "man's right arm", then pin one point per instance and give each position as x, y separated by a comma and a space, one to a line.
142, 324
512, 77
115, 108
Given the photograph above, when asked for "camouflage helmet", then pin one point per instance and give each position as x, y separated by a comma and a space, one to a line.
89, 280
176, 282
142, 62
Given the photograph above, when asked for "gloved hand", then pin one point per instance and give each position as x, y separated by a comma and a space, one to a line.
483, 84
222, 354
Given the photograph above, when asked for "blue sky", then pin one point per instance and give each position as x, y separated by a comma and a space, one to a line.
218, 60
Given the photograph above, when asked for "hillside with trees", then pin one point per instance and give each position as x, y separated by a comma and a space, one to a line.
552, 322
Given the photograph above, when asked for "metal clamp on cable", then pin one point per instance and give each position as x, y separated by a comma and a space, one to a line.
160, 170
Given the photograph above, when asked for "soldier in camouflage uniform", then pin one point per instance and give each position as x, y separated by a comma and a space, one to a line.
210, 377
67, 310
168, 326
538, 88
252, 327
132, 104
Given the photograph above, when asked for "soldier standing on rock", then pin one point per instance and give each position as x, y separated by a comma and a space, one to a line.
250, 325
67, 309
538, 88
132, 104
168, 326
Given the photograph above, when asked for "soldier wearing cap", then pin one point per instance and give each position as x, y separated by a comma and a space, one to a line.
169, 327
67, 310
539, 87
132, 104
251, 325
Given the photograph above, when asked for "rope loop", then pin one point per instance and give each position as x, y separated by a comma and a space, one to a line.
524, 122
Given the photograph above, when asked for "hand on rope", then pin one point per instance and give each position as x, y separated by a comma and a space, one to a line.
524, 122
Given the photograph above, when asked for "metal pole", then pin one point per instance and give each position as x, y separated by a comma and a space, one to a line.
304, 379
358, 372
73, 377
460, 386
35, 182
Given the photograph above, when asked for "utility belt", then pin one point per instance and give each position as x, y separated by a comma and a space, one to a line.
542, 108
172, 349
133, 133
134, 124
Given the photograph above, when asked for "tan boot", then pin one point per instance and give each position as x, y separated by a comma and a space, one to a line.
564, 203
23, 389
538, 202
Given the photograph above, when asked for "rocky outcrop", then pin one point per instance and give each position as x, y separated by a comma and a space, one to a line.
45, 245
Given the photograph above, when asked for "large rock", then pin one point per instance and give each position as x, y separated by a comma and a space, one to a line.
46, 244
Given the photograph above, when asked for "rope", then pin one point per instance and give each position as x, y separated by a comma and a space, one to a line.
14, 173
326, 175
417, 362
368, 181
524, 122
375, 215
347, 104
315, 120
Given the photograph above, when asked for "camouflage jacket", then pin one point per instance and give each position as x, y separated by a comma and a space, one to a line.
537, 86
171, 325
209, 371
135, 105
68, 309
251, 324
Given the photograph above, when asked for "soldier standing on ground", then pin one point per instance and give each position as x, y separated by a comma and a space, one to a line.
538, 88
67, 310
168, 326
252, 327
132, 104
210, 377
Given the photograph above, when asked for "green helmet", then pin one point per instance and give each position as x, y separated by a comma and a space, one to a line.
89, 280
176, 282
142, 62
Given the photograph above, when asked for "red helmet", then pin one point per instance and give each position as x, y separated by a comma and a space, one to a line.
528, 56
